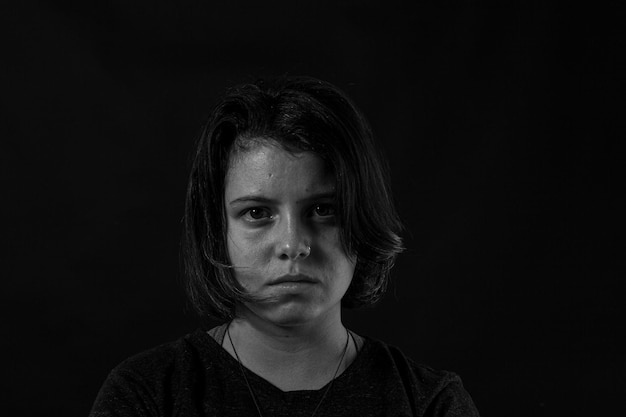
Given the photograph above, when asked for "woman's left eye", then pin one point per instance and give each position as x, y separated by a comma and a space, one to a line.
324, 210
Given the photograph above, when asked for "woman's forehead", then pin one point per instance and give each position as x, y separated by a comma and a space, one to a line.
269, 169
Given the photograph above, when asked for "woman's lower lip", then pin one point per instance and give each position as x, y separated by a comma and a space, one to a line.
293, 285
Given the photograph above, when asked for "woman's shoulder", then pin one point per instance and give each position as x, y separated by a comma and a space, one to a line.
427, 386
379, 350
167, 356
155, 379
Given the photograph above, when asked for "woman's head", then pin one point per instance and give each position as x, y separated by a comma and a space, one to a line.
299, 118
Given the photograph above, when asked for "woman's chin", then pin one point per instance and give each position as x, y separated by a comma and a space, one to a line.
287, 313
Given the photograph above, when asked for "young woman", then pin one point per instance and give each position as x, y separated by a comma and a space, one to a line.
288, 220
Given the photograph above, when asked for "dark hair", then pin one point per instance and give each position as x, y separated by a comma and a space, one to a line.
300, 114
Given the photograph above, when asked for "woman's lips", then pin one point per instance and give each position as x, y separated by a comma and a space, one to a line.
293, 280
293, 286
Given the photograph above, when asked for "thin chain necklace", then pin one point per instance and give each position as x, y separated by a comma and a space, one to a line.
254, 399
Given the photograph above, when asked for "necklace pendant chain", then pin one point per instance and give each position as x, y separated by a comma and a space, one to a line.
254, 399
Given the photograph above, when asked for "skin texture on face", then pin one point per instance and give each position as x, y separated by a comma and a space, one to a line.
283, 239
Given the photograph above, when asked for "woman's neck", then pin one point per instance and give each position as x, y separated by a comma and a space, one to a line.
291, 357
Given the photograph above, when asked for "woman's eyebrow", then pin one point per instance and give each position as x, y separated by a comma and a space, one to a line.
328, 195
252, 198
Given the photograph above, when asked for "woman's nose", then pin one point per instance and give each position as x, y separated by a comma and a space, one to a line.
293, 240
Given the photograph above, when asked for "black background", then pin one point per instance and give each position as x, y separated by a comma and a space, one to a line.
499, 123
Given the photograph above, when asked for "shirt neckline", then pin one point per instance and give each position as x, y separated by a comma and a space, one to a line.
258, 380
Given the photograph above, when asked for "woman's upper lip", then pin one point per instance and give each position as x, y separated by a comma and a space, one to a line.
293, 278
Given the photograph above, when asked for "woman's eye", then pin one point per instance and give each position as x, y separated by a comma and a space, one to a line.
324, 210
257, 214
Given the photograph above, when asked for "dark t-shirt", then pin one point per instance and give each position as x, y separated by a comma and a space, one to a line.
195, 377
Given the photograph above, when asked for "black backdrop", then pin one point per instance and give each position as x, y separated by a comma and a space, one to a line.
498, 122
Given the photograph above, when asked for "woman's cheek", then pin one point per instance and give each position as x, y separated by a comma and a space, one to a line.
253, 248
329, 236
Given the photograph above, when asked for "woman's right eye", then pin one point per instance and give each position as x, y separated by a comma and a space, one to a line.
256, 213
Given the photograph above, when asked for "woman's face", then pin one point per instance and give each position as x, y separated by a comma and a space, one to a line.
283, 239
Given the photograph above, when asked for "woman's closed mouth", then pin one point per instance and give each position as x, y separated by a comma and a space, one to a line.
294, 279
